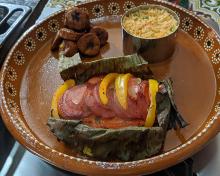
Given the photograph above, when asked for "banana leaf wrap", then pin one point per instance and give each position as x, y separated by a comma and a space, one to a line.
80, 71
125, 144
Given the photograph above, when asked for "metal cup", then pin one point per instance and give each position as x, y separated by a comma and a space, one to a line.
153, 50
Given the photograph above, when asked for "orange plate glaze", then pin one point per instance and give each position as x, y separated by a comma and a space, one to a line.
30, 76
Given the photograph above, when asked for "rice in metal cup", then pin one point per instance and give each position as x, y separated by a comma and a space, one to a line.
152, 49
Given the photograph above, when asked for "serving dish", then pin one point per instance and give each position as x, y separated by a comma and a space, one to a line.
155, 49
30, 76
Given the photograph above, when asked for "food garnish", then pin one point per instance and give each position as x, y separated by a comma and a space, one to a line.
121, 87
106, 81
58, 94
151, 115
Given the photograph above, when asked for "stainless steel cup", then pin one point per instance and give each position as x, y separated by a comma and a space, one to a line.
153, 50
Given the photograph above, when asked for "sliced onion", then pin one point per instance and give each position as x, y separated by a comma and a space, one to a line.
134, 88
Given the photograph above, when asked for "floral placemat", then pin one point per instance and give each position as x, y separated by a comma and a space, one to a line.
210, 7
64, 3
56, 5
208, 10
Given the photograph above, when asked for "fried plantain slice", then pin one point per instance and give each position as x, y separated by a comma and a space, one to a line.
101, 33
77, 19
69, 48
89, 44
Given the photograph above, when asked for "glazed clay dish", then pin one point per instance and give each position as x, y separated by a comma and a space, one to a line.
30, 76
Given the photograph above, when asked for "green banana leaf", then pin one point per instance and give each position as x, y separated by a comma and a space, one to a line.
131, 143
75, 68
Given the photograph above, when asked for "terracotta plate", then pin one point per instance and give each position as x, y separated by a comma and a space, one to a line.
30, 76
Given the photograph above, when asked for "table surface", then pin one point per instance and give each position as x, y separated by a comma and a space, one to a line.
206, 162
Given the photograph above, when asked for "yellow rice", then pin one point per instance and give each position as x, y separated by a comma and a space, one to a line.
150, 23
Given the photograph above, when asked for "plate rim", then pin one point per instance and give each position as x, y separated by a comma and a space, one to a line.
200, 138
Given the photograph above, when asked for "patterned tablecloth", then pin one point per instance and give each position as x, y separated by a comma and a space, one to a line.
64, 3
211, 8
